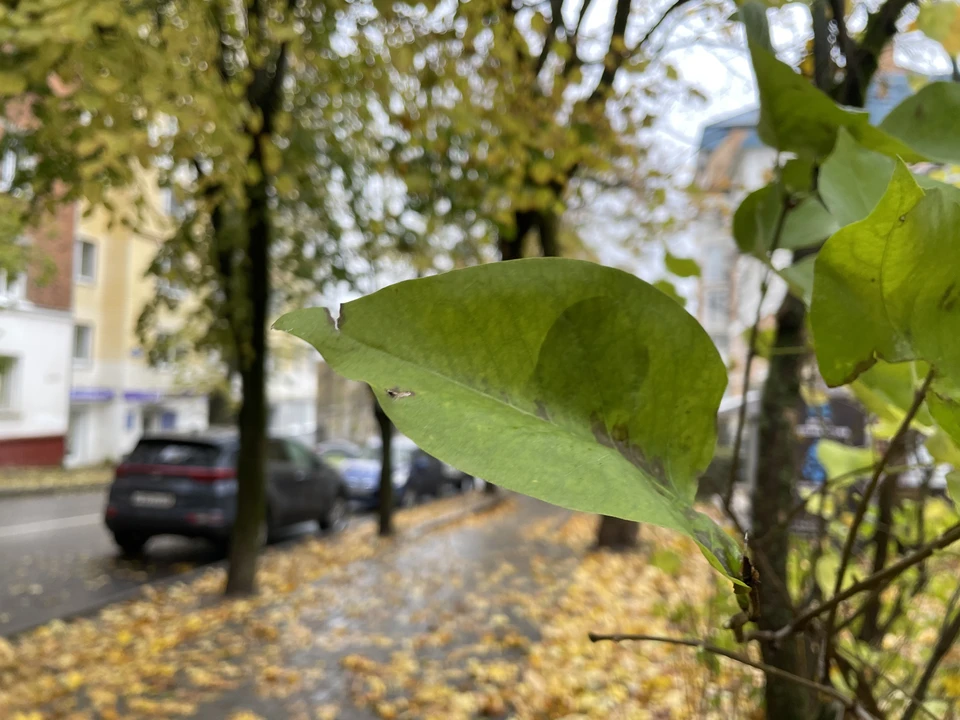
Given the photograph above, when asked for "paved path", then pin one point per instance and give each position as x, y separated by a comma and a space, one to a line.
454, 610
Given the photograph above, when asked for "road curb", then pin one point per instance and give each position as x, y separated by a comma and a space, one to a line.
413, 534
18, 492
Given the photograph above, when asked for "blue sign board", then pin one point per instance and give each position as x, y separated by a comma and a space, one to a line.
80, 394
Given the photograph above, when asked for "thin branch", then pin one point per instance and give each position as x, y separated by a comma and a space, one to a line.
847, 702
880, 579
847, 552
949, 632
886, 678
658, 23
748, 365
615, 48
575, 60
556, 21
799, 506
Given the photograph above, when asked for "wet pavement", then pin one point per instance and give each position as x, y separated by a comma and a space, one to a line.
451, 614
57, 559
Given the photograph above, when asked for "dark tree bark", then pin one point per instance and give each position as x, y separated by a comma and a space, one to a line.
385, 497
617, 534
772, 499
249, 526
250, 334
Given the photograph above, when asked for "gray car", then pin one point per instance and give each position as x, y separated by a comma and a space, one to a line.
173, 484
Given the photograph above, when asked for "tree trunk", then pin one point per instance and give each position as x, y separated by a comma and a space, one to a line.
249, 527
617, 534
772, 499
385, 497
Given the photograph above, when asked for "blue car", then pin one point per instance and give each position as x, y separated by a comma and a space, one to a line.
361, 477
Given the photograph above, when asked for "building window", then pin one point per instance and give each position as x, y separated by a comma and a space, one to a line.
82, 343
8, 380
718, 307
715, 266
11, 290
86, 261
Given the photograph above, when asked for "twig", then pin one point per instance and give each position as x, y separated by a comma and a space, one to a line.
847, 702
949, 537
748, 365
886, 678
658, 23
948, 635
847, 551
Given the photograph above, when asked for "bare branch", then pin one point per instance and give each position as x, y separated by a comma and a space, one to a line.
556, 21
847, 702
616, 51
949, 632
847, 552
785, 204
658, 23
886, 678
880, 579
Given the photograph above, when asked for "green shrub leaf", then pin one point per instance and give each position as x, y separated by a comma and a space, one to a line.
888, 287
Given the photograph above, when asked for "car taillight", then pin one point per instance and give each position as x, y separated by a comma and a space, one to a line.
202, 474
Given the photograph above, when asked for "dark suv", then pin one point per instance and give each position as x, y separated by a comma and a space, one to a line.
186, 485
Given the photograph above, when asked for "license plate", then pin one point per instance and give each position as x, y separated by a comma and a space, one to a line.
157, 500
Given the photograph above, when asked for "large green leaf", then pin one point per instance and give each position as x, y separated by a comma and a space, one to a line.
887, 391
889, 286
927, 122
797, 117
569, 381
853, 179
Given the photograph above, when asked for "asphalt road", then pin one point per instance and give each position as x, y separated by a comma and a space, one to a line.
57, 559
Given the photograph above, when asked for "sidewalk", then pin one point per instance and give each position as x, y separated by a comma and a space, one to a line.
43, 481
485, 617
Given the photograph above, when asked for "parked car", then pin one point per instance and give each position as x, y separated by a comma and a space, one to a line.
334, 452
174, 484
362, 475
430, 477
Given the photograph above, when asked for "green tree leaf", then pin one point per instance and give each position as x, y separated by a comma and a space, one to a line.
843, 463
887, 391
927, 122
572, 382
853, 179
681, 267
940, 21
797, 117
799, 277
12, 83
888, 287
755, 223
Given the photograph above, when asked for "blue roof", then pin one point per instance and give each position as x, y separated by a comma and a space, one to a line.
886, 92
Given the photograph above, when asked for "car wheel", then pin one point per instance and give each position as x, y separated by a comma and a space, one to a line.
131, 544
335, 518
466, 484
409, 498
